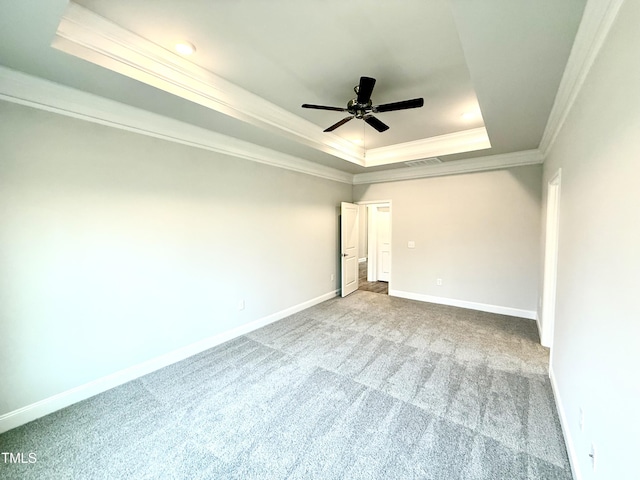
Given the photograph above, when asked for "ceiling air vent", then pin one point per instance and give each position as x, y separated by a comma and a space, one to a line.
423, 162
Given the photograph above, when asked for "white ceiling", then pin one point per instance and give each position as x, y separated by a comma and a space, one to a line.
502, 57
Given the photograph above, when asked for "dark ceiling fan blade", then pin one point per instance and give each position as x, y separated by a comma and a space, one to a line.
375, 123
324, 107
390, 107
339, 124
365, 89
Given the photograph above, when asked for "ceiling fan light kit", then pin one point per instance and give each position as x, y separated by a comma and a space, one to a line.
362, 106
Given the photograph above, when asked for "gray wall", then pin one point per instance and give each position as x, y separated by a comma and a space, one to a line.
116, 248
594, 359
479, 232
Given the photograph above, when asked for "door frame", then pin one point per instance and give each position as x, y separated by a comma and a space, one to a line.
550, 275
372, 237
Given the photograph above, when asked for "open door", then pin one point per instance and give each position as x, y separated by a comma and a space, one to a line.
349, 247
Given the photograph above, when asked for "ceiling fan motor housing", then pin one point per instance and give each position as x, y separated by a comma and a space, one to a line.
358, 109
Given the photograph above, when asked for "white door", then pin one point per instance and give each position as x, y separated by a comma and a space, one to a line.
384, 243
349, 247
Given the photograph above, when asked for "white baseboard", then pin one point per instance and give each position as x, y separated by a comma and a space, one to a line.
539, 328
483, 307
49, 405
568, 440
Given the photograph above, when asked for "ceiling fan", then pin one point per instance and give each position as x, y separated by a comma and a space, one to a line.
361, 107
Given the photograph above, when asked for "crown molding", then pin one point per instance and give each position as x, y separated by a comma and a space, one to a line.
17, 87
87, 35
458, 142
597, 20
493, 162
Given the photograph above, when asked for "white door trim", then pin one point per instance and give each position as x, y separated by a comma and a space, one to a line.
550, 260
372, 236
383, 252
372, 243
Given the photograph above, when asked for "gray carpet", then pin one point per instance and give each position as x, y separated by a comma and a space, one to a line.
366, 387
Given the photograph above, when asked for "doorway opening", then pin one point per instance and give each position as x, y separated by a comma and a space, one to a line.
378, 286
374, 254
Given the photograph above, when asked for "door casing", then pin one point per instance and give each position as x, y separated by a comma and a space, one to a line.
373, 259
549, 284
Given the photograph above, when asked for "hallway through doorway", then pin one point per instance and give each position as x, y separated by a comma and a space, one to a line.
363, 284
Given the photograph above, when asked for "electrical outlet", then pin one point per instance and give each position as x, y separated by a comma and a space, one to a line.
241, 305
439, 282
333, 277
411, 244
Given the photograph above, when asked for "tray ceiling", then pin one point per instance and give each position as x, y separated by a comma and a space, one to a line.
256, 62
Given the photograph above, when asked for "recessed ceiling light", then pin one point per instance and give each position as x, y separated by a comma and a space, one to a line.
185, 48
470, 115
